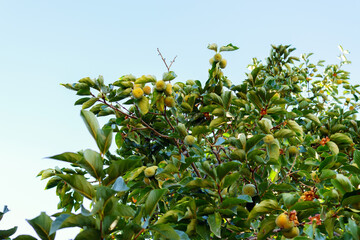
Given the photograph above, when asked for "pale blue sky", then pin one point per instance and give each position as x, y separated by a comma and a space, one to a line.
45, 43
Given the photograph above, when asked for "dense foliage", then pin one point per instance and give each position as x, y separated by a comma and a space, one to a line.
274, 156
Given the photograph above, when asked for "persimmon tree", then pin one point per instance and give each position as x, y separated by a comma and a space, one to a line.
271, 156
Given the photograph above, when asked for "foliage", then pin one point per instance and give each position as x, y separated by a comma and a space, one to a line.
213, 140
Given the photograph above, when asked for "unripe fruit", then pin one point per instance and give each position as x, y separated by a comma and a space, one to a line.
249, 189
293, 232
217, 57
351, 108
189, 140
150, 171
293, 151
282, 221
339, 81
211, 61
138, 93
168, 89
348, 99
160, 85
223, 63
268, 139
169, 102
147, 181
147, 90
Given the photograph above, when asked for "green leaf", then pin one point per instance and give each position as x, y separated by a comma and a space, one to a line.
153, 199
58, 222
341, 139
92, 163
350, 200
314, 118
119, 140
217, 122
230, 202
119, 168
81, 101
284, 133
216, 98
290, 199
89, 234
87, 81
197, 130
265, 124
7, 233
356, 157
71, 220
333, 147
165, 231
253, 97
305, 205
224, 168
214, 221
342, 184
199, 183
263, 207
327, 173
89, 103
91, 122
213, 46
293, 125
42, 224
145, 79
143, 105
24, 237
228, 47
104, 139
125, 211
68, 157
283, 187
226, 98
266, 227
251, 142
168, 76
79, 184
354, 230
274, 153
120, 185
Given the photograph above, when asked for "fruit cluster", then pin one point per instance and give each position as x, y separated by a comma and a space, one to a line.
288, 224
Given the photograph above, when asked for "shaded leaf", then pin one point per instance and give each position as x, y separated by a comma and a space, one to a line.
263, 207
42, 224
153, 199
79, 184
92, 163
165, 231
91, 122
67, 157
89, 234
214, 221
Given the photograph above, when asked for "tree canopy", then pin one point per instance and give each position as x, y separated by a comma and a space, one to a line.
273, 156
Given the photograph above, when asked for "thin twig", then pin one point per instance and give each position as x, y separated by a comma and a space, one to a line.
171, 63
164, 60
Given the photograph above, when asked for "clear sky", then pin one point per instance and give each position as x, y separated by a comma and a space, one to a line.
45, 43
